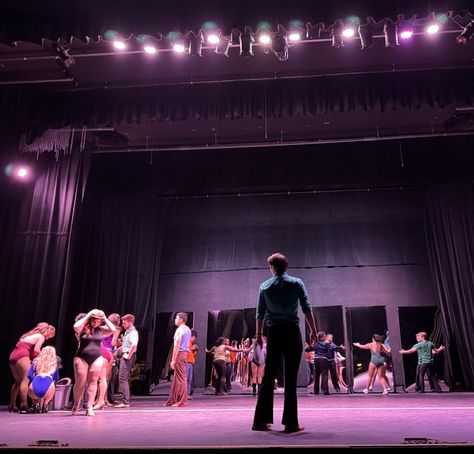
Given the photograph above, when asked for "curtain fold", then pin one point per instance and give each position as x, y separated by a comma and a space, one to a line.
238, 100
37, 220
449, 219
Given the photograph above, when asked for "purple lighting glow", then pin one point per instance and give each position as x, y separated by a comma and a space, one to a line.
22, 172
406, 34
432, 29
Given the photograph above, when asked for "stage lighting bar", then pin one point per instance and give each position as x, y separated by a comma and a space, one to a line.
392, 32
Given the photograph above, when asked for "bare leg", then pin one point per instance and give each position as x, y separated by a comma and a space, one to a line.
81, 369
340, 376
15, 387
371, 372
102, 385
20, 374
93, 375
49, 394
381, 375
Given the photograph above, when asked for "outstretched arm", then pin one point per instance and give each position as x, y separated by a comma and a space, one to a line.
407, 352
439, 349
362, 346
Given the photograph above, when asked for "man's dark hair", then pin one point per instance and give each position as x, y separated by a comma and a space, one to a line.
279, 262
194, 333
321, 335
183, 316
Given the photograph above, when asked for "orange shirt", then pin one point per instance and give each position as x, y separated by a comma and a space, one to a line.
192, 355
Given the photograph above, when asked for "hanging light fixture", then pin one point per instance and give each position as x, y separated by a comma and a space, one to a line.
466, 34
338, 34
280, 44
195, 43
390, 32
246, 42
366, 33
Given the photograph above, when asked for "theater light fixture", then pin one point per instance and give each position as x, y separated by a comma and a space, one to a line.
246, 42
338, 34
195, 43
223, 44
280, 44
366, 33
390, 31
466, 34
63, 59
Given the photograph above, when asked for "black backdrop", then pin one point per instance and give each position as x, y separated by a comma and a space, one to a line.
135, 251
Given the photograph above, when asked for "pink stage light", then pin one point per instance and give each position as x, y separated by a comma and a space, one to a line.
406, 34
432, 29
119, 45
348, 32
22, 172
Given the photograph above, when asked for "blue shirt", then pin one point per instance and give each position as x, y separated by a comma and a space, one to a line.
278, 299
185, 337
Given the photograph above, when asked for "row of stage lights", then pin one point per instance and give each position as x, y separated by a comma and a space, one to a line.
282, 39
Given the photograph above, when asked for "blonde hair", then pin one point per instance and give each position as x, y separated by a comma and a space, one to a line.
41, 328
114, 318
47, 361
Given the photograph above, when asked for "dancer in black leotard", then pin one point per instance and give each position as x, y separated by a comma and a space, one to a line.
88, 360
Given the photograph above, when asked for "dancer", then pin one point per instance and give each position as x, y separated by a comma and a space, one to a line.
127, 353
26, 349
43, 374
278, 305
332, 349
88, 360
377, 361
425, 350
340, 360
107, 354
112, 343
219, 351
258, 365
387, 363
193, 351
321, 365
178, 396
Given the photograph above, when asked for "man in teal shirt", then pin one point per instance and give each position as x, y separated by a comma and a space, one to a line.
278, 301
425, 351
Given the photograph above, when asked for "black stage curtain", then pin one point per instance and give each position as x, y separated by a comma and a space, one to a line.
36, 234
278, 98
117, 262
449, 217
31, 21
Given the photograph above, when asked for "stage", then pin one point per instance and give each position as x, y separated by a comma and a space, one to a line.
223, 422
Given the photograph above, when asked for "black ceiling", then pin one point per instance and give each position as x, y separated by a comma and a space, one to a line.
30, 68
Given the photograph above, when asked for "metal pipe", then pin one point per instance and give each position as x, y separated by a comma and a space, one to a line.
141, 51
282, 144
30, 82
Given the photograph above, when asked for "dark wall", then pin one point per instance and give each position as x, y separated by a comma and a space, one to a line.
351, 249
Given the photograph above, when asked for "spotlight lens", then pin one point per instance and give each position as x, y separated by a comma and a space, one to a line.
432, 29
22, 172
265, 39
348, 32
212, 39
150, 49
406, 34
120, 45
294, 37
179, 48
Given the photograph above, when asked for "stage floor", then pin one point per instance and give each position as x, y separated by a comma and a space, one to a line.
338, 420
